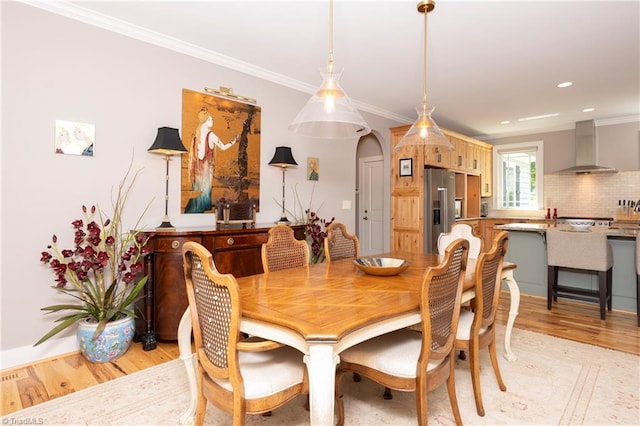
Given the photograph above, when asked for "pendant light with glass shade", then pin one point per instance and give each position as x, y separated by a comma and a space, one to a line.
425, 131
329, 113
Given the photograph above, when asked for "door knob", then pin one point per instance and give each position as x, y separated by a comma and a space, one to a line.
365, 218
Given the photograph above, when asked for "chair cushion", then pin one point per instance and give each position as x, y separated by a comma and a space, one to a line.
268, 372
394, 353
464, 325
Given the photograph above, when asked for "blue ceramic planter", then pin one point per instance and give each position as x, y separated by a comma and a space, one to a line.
111, 344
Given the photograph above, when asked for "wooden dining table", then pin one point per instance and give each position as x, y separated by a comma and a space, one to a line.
326, 308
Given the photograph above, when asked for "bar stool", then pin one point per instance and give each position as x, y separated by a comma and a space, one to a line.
588, 251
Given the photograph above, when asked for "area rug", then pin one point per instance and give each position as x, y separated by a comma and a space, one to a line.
553, 382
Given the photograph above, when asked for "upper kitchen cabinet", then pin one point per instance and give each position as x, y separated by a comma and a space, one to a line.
459, 154
437, 157
473, 158
486, 171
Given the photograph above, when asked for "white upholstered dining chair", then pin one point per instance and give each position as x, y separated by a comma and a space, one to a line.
236, 375
476, 327
407, 360
461, 230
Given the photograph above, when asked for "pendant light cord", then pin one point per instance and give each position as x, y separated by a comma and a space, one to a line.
330, 37
424, 63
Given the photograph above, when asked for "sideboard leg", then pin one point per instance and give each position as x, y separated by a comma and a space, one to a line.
148, 335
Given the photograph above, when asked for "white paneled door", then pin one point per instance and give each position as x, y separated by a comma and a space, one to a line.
371, 206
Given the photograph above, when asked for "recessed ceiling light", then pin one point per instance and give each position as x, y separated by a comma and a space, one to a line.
505, 122
588, 109
538, 117
565, 84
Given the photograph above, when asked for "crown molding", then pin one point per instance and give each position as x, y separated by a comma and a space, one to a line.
109, 23
617, 120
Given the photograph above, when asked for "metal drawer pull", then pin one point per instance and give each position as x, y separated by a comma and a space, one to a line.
175, 244
230, 241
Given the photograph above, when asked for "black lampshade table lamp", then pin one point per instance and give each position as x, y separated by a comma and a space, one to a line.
283, 159
167, 143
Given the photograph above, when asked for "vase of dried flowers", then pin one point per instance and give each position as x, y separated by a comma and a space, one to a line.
102, 273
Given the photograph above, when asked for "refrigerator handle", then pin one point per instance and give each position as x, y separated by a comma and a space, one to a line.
442, 194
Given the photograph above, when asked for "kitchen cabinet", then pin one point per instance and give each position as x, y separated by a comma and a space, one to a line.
458, 155
437, 157
486, 172
472, 158
407, 197
472, 196
407, 192
235, 250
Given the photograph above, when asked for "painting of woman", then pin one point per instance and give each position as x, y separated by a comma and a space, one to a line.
223, 162
202, 154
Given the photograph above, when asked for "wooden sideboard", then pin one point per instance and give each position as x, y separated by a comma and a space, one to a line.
235, 250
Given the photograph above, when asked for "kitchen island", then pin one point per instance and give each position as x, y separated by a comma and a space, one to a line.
527, 249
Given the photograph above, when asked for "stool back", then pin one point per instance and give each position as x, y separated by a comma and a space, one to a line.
580, 250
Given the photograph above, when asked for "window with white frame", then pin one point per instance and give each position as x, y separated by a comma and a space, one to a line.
518, 174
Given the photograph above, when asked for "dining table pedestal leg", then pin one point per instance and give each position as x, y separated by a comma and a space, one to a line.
321, 359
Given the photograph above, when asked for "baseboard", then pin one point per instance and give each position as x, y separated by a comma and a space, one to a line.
29, 354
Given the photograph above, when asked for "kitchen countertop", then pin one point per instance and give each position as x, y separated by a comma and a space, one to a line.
541, 228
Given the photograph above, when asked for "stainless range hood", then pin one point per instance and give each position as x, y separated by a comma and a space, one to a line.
585, 140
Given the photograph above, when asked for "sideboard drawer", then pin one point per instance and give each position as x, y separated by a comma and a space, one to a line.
172, 244
238, 240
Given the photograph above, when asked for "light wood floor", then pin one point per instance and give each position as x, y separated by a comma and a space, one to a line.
29, 385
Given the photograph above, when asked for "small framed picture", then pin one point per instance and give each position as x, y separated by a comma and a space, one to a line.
313, 168
406, 166
75, 138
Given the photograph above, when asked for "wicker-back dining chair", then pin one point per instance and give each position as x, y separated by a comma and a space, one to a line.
407, 360
237, 376
476, 328
283, 251
339, 244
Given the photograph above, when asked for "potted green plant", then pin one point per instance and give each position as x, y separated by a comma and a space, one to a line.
102, 273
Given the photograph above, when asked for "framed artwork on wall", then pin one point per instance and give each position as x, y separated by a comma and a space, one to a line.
313, 168
75, 138
406, 167
222, 165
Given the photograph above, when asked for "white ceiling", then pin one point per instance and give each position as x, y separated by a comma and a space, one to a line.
487, 61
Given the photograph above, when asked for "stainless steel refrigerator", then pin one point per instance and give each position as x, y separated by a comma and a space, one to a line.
439, 205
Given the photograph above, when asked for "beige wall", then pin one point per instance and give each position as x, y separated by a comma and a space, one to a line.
618, 145
57, 68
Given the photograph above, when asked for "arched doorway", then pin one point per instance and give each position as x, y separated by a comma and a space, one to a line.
371, 200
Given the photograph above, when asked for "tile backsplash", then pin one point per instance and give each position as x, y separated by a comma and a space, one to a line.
594, 195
